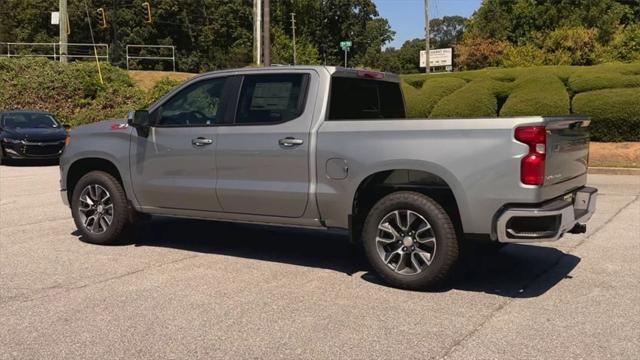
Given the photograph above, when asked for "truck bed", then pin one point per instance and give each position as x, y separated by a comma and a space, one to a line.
478, 159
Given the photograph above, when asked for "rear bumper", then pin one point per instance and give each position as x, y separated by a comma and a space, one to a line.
548, 221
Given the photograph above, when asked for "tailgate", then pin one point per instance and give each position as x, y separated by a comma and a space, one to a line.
567, 148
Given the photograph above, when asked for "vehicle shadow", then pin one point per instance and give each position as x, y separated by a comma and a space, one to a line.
517, 271
30, 162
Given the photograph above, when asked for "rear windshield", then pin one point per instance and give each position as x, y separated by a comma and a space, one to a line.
354, 99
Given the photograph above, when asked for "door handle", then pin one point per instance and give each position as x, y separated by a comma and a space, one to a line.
290, 142
201, 141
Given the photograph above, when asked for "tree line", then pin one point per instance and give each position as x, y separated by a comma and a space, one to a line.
216, 34
209, 34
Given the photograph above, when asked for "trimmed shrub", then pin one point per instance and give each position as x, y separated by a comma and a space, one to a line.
542, 94
615, 113
420, 102
542, 90
599, 81
479, 98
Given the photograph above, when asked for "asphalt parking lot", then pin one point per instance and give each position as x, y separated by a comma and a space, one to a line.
215, 290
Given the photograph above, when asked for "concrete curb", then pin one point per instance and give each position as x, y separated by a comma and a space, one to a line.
614, 171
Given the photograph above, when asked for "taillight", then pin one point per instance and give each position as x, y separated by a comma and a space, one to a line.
532, 164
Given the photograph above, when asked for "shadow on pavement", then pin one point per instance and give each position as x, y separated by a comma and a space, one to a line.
30, 162
518, 271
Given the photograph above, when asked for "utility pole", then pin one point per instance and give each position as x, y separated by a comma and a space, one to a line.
266, 29
293, 29
426, 30
115, 48
63, 30
257, 30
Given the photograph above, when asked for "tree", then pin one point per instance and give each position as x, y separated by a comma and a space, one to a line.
515, 20
447, 31
378, 33
282, 49
207, 34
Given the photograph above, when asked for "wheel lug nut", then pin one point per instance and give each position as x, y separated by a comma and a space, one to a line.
404, 248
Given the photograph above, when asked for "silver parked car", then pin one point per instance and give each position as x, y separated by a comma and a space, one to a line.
328, 147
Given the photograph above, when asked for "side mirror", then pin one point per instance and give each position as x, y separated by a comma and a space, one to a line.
138, 119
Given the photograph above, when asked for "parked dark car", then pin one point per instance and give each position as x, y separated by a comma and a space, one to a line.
31, 135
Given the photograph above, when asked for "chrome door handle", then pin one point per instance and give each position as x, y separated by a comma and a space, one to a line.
290, 142
201, 141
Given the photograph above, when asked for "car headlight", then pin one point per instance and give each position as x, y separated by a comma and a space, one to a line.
11, 141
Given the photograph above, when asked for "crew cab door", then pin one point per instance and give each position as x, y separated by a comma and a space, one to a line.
263, 158
174, 165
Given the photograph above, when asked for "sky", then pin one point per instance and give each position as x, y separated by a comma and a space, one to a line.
407, 16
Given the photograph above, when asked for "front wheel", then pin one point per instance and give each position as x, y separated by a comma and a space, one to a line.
410, 241
100, 209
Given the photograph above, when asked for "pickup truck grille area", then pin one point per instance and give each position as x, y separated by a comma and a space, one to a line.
42, 149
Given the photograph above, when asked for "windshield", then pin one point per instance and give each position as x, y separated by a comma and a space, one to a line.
29, 121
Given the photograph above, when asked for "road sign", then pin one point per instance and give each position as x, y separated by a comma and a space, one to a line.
437, 57
345, 45
55, 18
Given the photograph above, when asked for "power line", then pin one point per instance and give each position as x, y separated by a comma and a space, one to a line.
93, 40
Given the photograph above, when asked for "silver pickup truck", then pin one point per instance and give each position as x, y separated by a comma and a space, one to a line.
330, 148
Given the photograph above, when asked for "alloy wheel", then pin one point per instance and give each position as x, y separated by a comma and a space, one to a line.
96, 209
406, 242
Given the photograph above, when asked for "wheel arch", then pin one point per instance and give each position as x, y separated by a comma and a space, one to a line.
81, 167
441, 186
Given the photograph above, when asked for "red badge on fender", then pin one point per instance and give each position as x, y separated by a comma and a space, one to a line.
116, 126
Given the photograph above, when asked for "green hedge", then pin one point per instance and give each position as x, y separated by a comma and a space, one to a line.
542, 94
479, 98
603, 81
420, 102
615, 113
71, 91
543, 90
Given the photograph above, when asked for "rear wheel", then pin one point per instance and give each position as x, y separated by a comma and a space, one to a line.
410, 241
100, 209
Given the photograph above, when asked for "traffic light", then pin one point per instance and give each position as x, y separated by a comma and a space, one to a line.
148, 18
103, 23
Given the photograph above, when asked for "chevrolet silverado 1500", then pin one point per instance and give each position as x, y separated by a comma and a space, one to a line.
327, 147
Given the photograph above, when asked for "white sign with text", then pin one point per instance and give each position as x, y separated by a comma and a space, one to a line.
437, 57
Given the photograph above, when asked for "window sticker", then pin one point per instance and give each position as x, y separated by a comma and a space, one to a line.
271, 96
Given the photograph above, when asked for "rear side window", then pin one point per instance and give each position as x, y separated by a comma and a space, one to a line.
354, 99
271, 99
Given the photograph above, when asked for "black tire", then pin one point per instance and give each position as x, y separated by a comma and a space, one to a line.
446, 243
119, 230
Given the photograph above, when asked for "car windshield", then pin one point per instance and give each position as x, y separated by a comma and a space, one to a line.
29, 121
